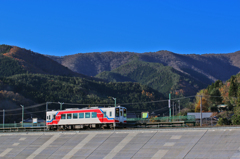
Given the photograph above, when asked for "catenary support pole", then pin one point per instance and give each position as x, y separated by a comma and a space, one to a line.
115, 102
61, 105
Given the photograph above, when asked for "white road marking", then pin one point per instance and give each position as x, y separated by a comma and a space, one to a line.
5, 152
21, 139
15, 144
169, 144
159, 154
79, 146
120, 146
176, 137
41, 148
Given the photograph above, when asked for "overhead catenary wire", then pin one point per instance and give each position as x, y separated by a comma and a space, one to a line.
183, 97
158, 101
38, 105
28, 107
26, 113
80, 104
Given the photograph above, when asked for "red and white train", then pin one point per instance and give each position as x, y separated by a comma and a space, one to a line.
92, 117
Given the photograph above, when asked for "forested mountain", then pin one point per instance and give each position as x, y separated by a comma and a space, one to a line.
92, 64
206, 68
36, 79
161, 78
189, 72
30, 78
15, 60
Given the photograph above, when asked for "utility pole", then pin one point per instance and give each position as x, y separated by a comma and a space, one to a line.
169, 105
61, 105
179, 106
115, 103
3, 117
173, 110
46, 112
22, 113
200, 110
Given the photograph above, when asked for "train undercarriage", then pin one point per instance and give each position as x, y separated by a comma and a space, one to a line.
84, 126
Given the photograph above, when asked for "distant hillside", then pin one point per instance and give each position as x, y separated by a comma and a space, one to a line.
43, 88
92, 64
156, 76
15, 60
206, 68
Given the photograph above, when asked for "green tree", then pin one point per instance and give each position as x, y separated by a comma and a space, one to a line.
233, 87
223, 121
215, 96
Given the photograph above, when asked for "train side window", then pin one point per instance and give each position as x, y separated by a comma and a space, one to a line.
110, 114
117, 112
69, 116
54, 116
94, 114
87, 115
121, 113
75, 115
63, 116
81, 115
125, 112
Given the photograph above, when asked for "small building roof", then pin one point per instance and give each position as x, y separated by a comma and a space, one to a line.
222, 106
197, 115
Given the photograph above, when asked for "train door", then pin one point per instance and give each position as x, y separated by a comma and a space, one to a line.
117, 113
121, 117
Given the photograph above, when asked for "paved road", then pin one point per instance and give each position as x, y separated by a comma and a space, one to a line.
174, 143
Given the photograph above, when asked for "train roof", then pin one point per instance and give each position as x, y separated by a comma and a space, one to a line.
86, 108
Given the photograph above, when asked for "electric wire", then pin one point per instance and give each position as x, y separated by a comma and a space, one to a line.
24, 113
158, 101
28, 107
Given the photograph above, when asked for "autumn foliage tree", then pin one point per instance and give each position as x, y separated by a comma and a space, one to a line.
204, 105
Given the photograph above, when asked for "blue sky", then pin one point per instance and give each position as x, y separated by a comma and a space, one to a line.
57, 27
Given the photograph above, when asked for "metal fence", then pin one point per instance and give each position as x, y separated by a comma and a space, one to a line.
17, 125
189, 118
